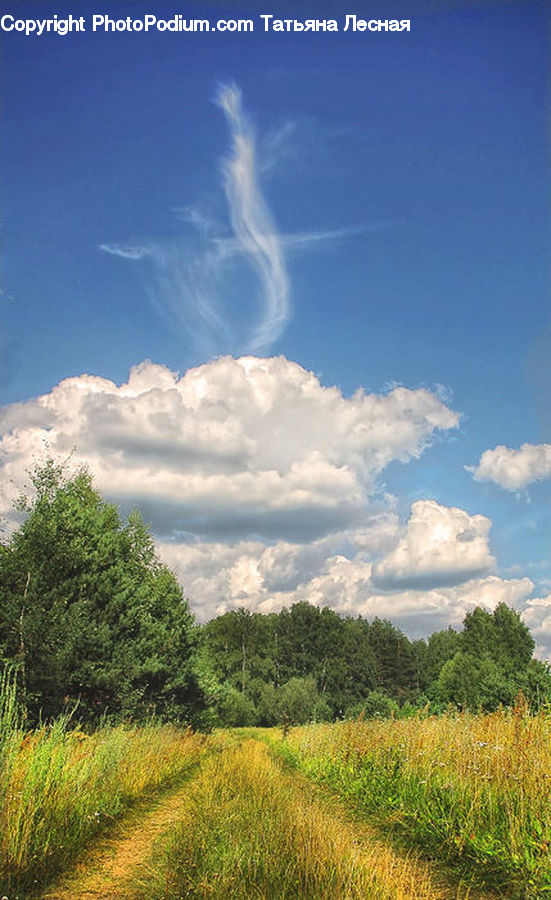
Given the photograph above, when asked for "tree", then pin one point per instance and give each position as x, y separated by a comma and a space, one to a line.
377, 705
334, 651
235, 710
395, 657
501, 634
441, 646
299, 702
88, 613
535, 683
237, 648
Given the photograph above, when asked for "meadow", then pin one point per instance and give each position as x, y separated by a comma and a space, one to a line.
60, 787
471, 790
251, 829
453, 806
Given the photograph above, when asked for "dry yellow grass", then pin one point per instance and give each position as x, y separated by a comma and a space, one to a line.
250, 830
58, 788
478, 787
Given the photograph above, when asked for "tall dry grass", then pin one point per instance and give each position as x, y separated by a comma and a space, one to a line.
59, 786
475, 790
252, 831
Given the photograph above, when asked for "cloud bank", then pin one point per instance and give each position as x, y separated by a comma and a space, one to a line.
234, 448
263, 487
514, 469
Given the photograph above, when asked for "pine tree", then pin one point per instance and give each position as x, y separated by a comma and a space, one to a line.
88, 613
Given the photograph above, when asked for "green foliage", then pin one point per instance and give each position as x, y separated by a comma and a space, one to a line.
492, 663
470, 790
440, 647
260, 655
377, 704
395, 658
472, 683
299, 702
500, 634
535, 684
89, 615
235, 709
335, 651
236, 647
372, 668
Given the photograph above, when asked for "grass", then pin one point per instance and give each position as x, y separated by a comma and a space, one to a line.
474, 791
471, 791
59, 787
251, 830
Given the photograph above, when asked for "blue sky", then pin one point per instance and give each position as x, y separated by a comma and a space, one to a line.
401, 182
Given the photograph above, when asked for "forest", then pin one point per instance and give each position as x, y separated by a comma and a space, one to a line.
94, 624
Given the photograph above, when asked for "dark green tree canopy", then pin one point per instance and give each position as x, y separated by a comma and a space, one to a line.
369, 668
88, 613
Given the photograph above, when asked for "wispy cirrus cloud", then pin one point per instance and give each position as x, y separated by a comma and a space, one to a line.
252, 222
126, 252
195, 277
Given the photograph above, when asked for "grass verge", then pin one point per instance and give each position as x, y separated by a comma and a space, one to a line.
60, 787
472, 791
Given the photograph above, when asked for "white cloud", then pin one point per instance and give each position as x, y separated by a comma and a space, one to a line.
130, 251
219, 577
338, 571
537, 616
234, 448
252, 222
440, 546
200, 277
514, 469
188, 279
348, 587
263, 487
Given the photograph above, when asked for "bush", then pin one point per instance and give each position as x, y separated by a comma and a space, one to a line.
377, 705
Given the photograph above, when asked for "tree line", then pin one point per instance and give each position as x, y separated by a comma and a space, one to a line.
91, 619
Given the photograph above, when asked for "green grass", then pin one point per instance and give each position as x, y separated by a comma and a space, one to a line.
474, 791
252, 830
59, 787
471, 791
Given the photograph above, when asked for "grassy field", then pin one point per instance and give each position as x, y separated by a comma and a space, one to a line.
252, 830
450, 807
59, 787
474, 791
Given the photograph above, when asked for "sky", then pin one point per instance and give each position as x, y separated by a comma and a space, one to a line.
288, 293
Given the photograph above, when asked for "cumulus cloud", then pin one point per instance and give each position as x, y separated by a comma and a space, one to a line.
263, 488
336, 571
339, 571
342, 570
514, 469
234, 448
440, 546
537, 615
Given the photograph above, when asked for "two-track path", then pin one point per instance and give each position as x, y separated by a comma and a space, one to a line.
115, 861
116, 864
